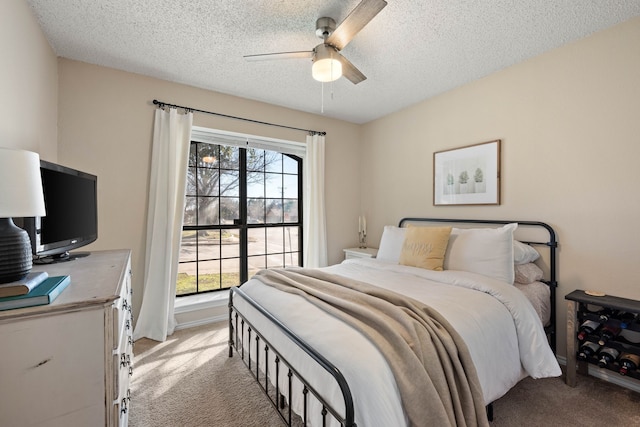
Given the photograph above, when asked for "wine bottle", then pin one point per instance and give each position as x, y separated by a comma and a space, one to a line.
628, 363
626, 319
607, 355
605, 314
587, 328
588, 349
608, 331
630, 336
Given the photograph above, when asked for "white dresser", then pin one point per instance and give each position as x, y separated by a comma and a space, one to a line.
69, 363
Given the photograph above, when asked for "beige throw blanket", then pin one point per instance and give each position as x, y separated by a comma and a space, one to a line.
436, 378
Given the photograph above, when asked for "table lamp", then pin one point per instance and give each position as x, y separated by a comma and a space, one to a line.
20, 196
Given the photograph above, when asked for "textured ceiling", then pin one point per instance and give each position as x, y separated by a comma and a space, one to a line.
412, 50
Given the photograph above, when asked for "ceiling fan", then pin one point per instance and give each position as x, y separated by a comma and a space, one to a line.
328, 63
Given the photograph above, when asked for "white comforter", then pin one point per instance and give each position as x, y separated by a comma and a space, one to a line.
500, 327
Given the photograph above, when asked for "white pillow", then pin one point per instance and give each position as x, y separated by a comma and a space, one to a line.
391, 244
523, 253
528, 273
486, 251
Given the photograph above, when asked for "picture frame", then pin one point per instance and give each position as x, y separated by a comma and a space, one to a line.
467, 175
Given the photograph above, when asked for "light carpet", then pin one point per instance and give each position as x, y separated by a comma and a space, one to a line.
189, 381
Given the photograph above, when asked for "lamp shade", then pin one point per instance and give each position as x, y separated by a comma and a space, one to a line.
326, 64
20, 184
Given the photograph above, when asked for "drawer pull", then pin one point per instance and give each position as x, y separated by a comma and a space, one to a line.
123, 360
130, 370
124, 405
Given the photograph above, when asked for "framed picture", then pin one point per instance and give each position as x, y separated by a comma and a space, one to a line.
468, 175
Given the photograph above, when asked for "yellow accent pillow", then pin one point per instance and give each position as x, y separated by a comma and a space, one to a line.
425, 247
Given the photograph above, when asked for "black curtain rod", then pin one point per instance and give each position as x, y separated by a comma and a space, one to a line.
164, 104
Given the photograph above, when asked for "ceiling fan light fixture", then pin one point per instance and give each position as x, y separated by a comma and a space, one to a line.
326, 67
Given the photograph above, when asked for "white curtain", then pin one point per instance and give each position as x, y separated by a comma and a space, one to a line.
167, 186
314, 223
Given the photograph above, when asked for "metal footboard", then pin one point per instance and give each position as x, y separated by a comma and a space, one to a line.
239, 327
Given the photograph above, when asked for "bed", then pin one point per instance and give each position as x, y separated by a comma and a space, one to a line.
310, 339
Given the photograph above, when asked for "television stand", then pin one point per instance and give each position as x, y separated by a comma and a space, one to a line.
63, 257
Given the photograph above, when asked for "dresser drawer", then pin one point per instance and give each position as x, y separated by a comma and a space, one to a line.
120, 411
124, 371
122, 316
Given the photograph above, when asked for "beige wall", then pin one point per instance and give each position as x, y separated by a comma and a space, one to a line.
28, 83
570, 125
105, 128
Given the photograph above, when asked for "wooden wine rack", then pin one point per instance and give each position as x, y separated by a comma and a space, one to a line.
577, 312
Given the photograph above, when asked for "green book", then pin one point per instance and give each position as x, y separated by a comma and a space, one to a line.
44, 293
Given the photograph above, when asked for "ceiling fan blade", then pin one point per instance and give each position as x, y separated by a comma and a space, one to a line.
279, 55
351, 72
354, 22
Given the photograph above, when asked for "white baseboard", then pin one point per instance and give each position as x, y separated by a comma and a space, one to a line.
204, 321
609, 376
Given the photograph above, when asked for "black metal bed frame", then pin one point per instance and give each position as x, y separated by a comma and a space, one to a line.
239, 327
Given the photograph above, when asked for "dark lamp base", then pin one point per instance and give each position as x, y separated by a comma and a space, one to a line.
15, 252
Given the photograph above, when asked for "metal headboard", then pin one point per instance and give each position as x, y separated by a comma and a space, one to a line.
551, 244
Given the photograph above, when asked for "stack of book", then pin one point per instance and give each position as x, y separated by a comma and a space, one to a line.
37, 288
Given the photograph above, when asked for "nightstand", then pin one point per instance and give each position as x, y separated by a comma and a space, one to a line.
360, 253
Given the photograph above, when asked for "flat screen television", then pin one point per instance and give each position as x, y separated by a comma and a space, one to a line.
71, 220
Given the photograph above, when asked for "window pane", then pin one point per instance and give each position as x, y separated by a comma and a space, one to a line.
208, 275
230, 243
290, 211
190, 204
229, 209
229, 157
230, 273
207, 211
188, 246
229, 183
290, 189
291, 259
291, 239
191, 181
186, 282
208, 182
275, 261
274, 211
256, 241
289, 165
208, 244
255, 211
208, 155
256, 263
274, 240
273, 161
255, 160
255, 184
273, 185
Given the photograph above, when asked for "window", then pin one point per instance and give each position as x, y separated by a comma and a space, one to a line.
243, 213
